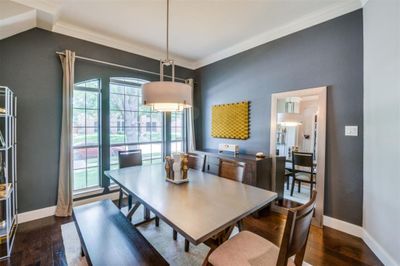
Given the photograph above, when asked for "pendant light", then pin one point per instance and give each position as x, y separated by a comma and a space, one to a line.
291, 117
167, 96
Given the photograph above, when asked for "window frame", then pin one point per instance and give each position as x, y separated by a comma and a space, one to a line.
98, 90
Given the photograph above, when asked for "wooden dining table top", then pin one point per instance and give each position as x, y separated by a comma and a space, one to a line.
198, 209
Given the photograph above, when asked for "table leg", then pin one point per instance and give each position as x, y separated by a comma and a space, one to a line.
174, 234
146, 215
187, 245
157, 221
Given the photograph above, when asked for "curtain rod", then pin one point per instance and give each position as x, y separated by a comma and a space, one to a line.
119, 66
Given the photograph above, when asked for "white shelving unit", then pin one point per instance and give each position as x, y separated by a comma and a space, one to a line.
8, 171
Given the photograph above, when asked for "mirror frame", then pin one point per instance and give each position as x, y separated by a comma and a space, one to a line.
321, 92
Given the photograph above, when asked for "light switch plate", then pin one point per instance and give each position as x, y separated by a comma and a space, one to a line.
351, 131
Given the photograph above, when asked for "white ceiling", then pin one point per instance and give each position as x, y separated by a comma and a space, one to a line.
201, 31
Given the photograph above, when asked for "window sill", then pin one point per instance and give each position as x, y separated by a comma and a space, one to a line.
87, 192
113, 187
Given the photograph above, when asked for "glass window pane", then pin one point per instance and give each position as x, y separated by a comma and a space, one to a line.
117, 119
144, 119
131, 103
144, 135
132, 135
79, 99
156, 150
157, 119
133, 90
78, 117
116, 88
116, 102
92, 84
156, 134
178, 133
79, 179
92, 157
117, 135
92, 100
92, 118
131, 119
179, 147
92, 136
79, 158
78, 136
114, 153
92, 176
146, 151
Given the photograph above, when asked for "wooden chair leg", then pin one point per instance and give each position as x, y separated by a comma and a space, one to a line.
291, 190
174, 234
130, 201
240, 225
157, 221
205, 262
287, 182
120, 198
187, 245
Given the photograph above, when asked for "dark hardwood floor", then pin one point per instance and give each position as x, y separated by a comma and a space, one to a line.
40, 242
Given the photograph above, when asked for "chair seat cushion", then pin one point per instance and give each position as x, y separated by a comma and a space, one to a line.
303, 177
244, 249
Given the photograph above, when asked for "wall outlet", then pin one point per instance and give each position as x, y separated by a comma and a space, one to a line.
351, 131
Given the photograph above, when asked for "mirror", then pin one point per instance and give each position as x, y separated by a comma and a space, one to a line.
297, 140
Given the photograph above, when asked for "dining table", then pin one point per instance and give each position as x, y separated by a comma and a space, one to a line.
203, 210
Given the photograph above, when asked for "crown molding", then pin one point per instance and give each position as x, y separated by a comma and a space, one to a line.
292, 27
91, 36
17, 24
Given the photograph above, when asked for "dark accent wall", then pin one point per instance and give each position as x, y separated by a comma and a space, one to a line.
328, 54
30, 67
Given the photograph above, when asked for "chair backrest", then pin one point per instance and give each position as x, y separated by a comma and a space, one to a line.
196, 161
303, 159
129, 158
297, 229
231, 169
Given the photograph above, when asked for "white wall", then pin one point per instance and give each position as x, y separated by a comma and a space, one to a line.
381, 216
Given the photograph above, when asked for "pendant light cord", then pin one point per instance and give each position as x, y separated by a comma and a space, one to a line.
167, 30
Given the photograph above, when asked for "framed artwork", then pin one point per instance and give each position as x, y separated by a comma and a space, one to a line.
231, 121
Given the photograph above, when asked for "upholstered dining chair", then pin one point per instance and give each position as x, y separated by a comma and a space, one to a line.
127, 159
231, 169
303, 170
247, 248
196, 161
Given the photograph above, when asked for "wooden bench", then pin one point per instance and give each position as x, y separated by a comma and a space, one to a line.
108, 238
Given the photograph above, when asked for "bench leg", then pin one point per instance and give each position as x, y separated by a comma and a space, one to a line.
187, 245
132, 211
120, 198
174, 234
146, 215
157, 221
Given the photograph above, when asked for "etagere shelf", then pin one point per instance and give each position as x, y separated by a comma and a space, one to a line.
8, 171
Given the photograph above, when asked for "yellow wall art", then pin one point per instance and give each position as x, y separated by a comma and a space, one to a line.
231, 121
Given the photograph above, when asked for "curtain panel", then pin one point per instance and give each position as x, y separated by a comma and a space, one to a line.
65, 172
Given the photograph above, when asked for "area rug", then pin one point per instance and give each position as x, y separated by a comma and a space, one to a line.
160, 237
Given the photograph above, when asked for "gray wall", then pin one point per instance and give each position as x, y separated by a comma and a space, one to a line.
30, 67
327, 54
382, 128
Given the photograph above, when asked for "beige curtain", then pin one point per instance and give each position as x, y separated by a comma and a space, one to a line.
191, 136
64, 200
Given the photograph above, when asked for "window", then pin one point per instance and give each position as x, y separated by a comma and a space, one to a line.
133, 125
86, 134
177, 131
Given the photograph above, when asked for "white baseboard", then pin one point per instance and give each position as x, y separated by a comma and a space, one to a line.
36, 214
360, 232
343, 226
379, 251
50, 211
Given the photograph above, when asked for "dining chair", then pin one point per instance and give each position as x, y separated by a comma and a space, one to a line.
231, 169
196, 161
247, 248
303, 170
128, 159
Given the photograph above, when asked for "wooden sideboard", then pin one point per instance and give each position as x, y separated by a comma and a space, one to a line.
258, 171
